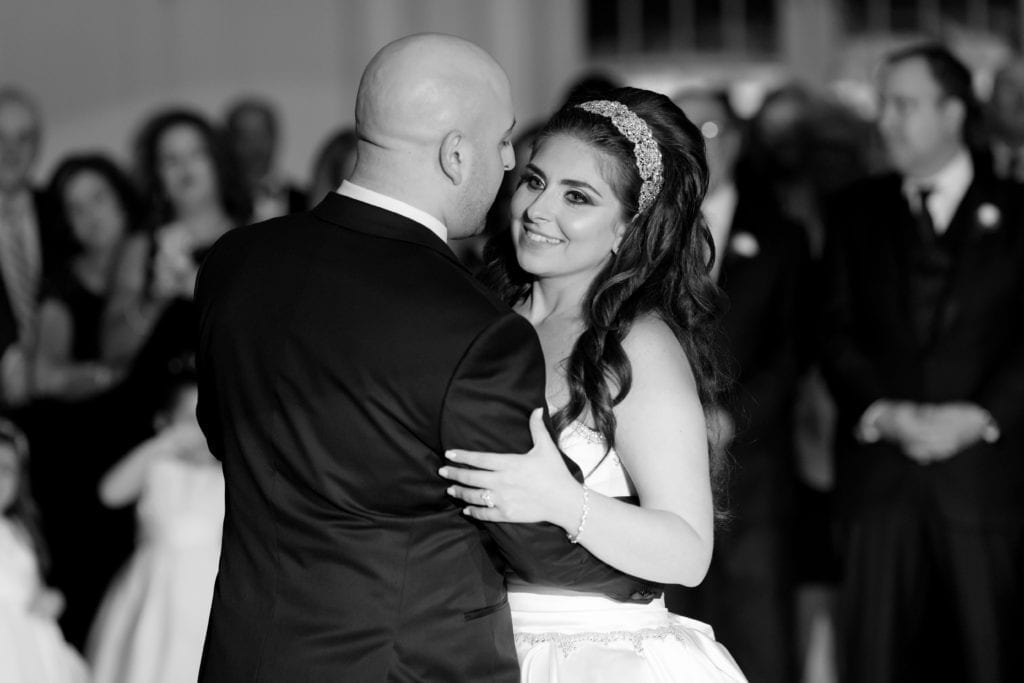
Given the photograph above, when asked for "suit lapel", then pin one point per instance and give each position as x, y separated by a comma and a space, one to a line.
964, 234
372, 220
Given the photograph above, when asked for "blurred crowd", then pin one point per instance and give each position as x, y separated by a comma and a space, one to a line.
97, 383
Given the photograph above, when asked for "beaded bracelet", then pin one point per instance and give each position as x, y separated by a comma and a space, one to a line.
575, 538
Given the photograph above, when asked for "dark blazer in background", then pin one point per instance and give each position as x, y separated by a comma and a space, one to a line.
763, 331
53, 240
871, 350
747, 595
341, 352
932, 554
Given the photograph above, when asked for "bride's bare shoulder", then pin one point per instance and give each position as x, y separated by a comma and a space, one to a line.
649, 332
652, 345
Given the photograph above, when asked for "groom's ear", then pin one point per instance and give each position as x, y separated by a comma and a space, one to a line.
452, 151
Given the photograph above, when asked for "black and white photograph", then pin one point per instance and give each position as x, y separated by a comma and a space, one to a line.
511, 341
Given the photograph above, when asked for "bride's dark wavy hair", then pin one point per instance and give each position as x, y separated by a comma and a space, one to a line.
662, 266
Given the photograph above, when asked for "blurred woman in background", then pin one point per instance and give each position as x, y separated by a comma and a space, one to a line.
195, 195
100, 207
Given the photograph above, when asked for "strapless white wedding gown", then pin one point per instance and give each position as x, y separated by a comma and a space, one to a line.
570, 637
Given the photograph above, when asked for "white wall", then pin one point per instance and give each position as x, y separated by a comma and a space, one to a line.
99, 67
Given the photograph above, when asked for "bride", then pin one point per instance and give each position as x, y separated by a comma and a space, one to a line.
611, 266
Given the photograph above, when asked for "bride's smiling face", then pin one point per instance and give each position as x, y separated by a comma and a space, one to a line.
566, 218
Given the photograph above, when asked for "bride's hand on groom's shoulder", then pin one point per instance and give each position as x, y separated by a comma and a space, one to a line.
516, 487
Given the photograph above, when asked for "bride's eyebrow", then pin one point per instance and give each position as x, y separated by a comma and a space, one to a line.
532, 168
581, 184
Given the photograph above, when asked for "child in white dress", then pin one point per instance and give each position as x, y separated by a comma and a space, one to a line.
152, 623
32, 647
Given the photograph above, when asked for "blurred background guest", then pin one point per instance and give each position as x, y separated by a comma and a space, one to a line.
31, 244
761, 263
79, 422
924, 351
32, 647
195, 195
333, 163
254, 134
152, 623
100, 206
1006, 119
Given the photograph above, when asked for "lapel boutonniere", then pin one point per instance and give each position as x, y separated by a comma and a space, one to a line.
989, 217
744, 244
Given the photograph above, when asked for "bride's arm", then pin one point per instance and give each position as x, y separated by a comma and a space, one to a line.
662, 441
499, 380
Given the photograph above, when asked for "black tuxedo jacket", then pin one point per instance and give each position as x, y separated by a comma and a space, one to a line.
341, 352
871, 351
53, 246
764, 268
298, 200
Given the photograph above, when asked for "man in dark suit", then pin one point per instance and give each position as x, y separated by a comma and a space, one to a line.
924, 352
31, 244
254, 132
341, 353
761, 259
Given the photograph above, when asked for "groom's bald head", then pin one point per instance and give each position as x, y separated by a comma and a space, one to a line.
433, 115
419, 87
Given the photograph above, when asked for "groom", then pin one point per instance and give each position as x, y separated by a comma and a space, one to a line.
341, 353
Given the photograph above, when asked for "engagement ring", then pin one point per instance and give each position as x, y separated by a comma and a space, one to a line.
486, 496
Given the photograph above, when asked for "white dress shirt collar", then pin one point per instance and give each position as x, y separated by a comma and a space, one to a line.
360, 193
948, 187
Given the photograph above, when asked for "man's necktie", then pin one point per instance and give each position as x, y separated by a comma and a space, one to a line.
931, 263
19, 272
925, 223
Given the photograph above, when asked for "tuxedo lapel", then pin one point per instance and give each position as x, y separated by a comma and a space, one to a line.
964, 235
372, 220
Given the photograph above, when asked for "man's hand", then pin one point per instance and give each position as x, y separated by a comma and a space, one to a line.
952, 428
932, 432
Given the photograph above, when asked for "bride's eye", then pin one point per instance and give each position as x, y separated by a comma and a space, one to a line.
532, 181
576, 197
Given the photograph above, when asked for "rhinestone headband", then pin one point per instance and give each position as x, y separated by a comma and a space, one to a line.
645, 148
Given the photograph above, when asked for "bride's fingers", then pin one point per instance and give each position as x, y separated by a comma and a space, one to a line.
480, 479
473, 496
484, 461
484, 514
